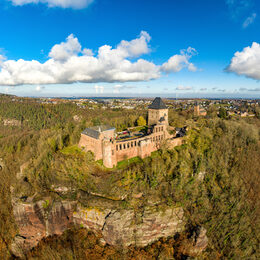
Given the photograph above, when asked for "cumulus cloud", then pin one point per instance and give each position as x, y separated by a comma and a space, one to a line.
246, 62
249, 20
68, 63
135, 47
65, 50
179, 61
181, 87
75, 4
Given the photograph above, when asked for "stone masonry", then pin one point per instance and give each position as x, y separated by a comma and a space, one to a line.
101, 140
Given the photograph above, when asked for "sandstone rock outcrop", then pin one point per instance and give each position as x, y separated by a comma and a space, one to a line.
118, 227
142, 228
38, 220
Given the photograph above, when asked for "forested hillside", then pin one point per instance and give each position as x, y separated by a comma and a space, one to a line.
214, 177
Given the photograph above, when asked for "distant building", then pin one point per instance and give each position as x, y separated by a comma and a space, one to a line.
198, 111
107, 145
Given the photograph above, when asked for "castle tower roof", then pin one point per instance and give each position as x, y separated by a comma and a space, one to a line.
157, 104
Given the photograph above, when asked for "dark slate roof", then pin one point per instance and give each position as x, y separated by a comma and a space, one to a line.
181, 131
95, 131
157, 104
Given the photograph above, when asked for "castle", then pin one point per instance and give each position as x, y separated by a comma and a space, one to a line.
198, 111
113, 147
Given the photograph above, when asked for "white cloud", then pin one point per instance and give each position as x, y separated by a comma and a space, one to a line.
2, 59
88, 52
75, 4
179, 61
135, 47
99, 89
238, 7
250, 89
118, 87
247, 62
65, 50
69, 63
249, 20
181, 87
203, 89
39, 88
254, 89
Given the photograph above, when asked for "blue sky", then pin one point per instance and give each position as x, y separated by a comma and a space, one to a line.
166, 47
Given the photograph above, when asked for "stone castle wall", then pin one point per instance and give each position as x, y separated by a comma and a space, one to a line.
171, 143
91, 144
113, 152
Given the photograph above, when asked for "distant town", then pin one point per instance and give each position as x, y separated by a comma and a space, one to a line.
233, 107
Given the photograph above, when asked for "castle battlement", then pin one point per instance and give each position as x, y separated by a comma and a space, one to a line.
104, 143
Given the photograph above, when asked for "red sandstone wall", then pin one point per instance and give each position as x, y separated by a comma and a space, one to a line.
91, 144
148, 145
142, 151
175, 142
127, 153
108, 134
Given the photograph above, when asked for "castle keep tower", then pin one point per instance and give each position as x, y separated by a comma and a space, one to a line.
196, 109
157, 112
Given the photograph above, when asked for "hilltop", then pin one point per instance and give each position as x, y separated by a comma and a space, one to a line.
206, 189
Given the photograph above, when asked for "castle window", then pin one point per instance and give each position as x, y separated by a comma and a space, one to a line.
124, 146
128, 145
162, 128
131, 144
117, 147
120, 146
135, 143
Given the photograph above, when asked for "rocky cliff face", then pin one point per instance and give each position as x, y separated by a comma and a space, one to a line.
36, 220
142, 228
